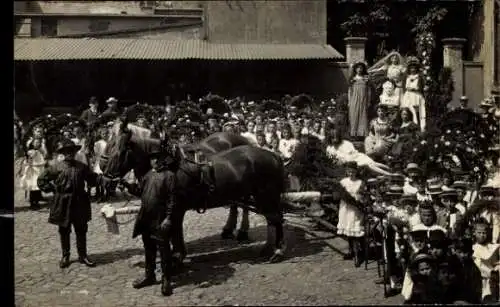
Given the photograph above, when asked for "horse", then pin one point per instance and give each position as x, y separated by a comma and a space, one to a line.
247, 175
211, 145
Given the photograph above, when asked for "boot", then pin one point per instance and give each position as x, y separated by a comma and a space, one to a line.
81, 245
150, 267
166, 287
65, 246
358, 253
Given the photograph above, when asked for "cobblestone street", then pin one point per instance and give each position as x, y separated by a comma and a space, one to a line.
218, 272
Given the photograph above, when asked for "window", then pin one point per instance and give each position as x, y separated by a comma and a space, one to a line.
49, 27
99, 25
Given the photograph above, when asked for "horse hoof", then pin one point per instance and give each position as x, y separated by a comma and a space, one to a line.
227, 235
277, 256
242, 236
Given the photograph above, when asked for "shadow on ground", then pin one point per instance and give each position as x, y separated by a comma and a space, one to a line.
113, 256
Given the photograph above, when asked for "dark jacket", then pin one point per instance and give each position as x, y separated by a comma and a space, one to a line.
88, 116
157, 200
71, 202
470, 286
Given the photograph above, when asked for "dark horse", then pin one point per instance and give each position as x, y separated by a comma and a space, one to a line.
245, 175
211, 145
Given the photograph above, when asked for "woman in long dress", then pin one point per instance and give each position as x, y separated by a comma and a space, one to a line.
381, 136
342, 151
359, 96
413, 98
393, 68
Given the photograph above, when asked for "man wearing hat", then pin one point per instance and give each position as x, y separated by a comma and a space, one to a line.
112, 103
90, 115
71, 206
155, 218
413, 173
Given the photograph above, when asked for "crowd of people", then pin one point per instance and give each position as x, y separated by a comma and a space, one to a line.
433, 219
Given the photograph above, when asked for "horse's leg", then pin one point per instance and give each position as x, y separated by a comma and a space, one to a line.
178, 244
244, 226
232, 220
276, 220
166, 267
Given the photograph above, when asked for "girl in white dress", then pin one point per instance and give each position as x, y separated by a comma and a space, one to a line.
350, 222
33, 166
342, 151
413, 98
287, 143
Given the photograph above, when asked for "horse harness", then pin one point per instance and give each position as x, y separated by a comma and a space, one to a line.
206, 181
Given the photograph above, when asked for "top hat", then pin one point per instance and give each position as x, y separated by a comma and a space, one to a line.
67, 146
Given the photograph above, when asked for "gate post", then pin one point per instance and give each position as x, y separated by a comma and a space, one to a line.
452, 58
355, 49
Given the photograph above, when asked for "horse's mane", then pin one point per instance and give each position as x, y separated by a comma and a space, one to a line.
145, 144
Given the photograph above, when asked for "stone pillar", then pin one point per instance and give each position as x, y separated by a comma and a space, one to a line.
355, 49
452, 58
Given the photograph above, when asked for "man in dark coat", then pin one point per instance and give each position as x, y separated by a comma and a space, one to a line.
154, 219
90, 115
71, 203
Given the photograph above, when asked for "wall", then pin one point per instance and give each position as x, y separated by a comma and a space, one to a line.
81, 25
473, 79
267, 21
482, 42
165, 34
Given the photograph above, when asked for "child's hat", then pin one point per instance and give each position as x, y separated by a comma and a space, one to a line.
434, 186
394, 190
408, 199
419, 235
489, 190
421, 257
397, 179
372, 182
413, 167
449, 193
460, 184
437, 238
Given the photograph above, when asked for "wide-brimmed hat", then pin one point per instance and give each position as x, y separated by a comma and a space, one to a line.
486, 103
394, 190
413, 167
408, 199
372, 182
434, 186
489, 190
460, 184
449, 193
357, 64
111, 100
67, 146
421, 257
413, 61
396, 179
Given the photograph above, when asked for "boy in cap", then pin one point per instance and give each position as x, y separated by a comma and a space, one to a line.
67, 178
414, 174
423, 273
447, 211
154, 221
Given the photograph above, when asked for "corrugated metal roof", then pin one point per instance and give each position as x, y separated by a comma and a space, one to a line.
52, 49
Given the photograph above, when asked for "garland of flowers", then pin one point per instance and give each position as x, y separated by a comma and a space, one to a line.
426, 43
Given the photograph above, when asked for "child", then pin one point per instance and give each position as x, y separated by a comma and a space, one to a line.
470, 284
427, 216
33, 166
350, 217
460, 186
423, 274
448, 213
486, 259
414, 174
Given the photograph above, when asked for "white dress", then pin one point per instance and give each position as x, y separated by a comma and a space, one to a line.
99, 148
33, 167
413, 99
350, 217
346, 152
486, 259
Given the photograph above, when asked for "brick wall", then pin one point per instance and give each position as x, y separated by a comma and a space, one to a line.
267, 21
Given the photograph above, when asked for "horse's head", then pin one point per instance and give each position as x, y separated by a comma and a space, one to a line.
118, 157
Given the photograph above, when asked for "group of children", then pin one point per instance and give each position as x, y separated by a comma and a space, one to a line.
439, 243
